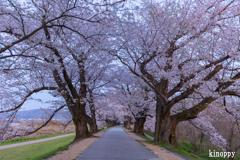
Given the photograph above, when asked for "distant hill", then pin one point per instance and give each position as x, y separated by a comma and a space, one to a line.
34, 113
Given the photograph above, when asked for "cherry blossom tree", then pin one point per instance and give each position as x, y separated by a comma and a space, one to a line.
58, 56
229, 110
98, 77
187, 49
138, 101
184, 52
220, 123
109, 111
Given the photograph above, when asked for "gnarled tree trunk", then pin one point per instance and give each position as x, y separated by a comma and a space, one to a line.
167, 132
93, 126
80, 122
110, 123
139, 125
127, 122
81, 128
201, 140
94, 121
162, 124
165, 125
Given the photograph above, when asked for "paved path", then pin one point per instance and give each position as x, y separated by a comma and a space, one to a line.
116, 144
35, 141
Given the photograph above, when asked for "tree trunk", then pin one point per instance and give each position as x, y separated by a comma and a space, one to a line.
81, 128
94, 121
80, 118
127, 122
93, 128
157, 123
139, 125
195, 149
201, 140
161, 121
165, 126
173, 135
110, 123
168, 130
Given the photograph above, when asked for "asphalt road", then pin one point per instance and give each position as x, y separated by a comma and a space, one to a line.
35, 141
116, 144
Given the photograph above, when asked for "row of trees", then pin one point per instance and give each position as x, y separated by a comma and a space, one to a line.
165, 59
55, 46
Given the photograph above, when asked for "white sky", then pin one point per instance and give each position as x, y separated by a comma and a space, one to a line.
33, 104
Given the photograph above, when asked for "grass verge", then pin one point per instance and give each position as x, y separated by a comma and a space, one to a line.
27, 139
178, 150
102, 128
186, 149
150, 134
144, 137
37, 151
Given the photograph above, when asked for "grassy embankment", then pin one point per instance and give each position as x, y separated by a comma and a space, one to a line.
37, 151
102, 128
186, 149
26, 139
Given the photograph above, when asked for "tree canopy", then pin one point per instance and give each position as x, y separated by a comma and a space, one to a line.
113, 60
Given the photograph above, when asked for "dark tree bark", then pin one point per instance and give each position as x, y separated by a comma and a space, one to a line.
81, 128
139, 125
111, 123
94, 121
201, 140
162, 124
167, 129
127, 122
80, 121
195, 149
93, 126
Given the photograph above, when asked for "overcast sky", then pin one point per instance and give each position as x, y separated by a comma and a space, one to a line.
33, 104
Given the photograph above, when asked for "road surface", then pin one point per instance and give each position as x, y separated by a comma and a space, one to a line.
116, 144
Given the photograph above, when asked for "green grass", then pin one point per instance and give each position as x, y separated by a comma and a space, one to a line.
189, 148
37, 151
180, 150
27, 139
102, 128
150, 134
148, 139
186, 149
